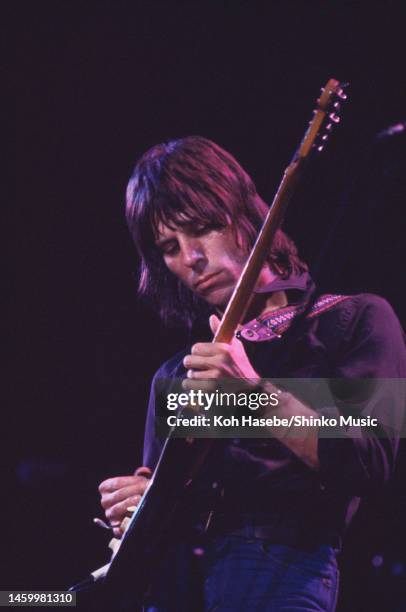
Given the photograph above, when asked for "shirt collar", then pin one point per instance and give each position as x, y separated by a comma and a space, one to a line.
298, 288
298, 282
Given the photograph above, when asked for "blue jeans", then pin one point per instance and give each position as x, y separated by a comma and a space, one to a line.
246, 574
253, 574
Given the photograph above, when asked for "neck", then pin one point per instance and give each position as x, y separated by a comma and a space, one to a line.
262, 303
265, 302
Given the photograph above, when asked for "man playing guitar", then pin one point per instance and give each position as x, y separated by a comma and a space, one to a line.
274, 536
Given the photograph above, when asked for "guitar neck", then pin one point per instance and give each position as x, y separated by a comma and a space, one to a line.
324, 117
241, 297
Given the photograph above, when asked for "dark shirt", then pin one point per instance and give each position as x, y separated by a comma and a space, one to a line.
359, 337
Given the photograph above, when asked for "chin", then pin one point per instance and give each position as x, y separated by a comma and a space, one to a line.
219, 297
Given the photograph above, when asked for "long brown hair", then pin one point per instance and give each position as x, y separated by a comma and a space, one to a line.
194, 180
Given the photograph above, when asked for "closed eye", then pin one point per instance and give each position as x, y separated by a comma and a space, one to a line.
201, 230
169, 247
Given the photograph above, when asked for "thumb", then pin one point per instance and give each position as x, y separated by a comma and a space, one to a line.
143, 471
214, 322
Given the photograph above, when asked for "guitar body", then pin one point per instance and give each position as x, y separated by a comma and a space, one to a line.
156, 519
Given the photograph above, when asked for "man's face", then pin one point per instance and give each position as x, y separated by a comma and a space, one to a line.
208, 261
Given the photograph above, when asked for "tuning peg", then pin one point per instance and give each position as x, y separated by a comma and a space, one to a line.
336, 106
324, 137
318, 147
329, 127
335, 118
341, 94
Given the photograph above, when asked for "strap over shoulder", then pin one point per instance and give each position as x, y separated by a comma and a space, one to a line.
272, 325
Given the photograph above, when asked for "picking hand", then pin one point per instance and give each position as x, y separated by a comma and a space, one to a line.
120, 493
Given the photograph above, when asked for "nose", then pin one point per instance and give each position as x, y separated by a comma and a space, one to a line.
193, 254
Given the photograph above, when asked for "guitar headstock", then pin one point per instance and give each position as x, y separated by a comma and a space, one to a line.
326, 115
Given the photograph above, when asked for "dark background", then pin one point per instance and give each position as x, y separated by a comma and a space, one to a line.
97, 84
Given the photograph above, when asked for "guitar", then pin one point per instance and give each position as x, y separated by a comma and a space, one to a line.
181, 460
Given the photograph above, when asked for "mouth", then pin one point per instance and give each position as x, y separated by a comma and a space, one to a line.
205, 282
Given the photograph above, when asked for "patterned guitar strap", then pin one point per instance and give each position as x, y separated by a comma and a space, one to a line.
272, 325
